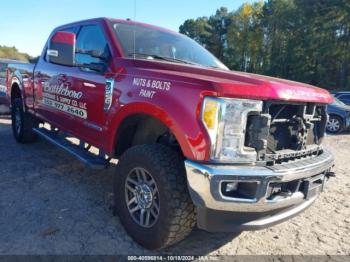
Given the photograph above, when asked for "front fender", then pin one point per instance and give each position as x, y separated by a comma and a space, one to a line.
185, 126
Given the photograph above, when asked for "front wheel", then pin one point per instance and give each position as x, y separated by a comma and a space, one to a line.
334, 125
22, 123
151, 196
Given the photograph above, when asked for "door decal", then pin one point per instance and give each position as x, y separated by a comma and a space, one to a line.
63, 99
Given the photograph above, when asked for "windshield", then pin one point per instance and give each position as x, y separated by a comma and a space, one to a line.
156, 44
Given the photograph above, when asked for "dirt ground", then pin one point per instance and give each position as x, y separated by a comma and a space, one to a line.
52, 204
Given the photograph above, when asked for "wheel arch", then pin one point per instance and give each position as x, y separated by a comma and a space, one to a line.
16, 90
338, 116
139, 129
136, 112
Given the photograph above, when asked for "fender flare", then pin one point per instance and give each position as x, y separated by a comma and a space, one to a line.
16, 78
158, 113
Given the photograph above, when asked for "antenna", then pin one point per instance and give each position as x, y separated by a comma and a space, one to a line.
135, 2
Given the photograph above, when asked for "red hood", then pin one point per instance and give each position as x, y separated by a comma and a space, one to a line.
274, 88
239, 84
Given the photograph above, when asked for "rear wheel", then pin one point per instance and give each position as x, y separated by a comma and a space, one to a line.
22, 123
334, 124
151, 196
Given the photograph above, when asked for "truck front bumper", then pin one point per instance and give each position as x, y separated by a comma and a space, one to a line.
237, 197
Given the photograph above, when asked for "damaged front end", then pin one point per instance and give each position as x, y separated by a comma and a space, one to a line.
289, 171
285, 132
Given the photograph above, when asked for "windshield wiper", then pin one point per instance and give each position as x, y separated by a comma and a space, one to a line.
165, 58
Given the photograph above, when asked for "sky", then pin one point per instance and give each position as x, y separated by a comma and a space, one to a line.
26, 24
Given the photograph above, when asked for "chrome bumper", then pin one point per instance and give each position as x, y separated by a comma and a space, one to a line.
205, 182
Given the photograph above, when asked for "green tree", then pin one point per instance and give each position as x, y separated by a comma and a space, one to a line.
13, 53
198, 29
327, 28
218, 40
245, 39
279, 22
303, 40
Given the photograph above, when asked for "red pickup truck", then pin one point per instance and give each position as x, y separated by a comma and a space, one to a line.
196, 143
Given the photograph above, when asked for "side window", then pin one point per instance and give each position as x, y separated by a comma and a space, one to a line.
343, 96
345, 99
91, 38
73, 30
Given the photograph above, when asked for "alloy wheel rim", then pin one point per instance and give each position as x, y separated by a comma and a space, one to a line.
333, 125
142, 197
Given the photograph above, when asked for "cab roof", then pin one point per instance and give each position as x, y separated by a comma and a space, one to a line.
113, 20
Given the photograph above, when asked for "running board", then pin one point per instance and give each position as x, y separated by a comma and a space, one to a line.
91, 160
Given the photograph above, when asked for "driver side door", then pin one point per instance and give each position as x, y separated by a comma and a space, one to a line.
90, 82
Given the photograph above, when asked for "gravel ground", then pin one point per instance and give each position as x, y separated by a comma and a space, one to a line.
52, 204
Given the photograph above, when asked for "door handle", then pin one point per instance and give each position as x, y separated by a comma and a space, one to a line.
86, 84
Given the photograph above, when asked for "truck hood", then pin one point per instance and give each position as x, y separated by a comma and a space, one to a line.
238, 84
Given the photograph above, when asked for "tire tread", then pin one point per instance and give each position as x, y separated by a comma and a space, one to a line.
27, 135
169, 162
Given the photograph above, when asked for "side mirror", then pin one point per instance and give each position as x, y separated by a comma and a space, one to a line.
61, 49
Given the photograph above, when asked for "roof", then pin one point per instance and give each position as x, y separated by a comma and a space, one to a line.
131, 22
113, 20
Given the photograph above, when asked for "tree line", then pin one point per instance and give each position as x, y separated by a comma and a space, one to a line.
302, 40
12, 53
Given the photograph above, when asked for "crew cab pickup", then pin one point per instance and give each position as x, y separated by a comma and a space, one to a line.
196, 143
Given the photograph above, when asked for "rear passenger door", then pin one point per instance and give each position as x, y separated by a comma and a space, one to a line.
49, 79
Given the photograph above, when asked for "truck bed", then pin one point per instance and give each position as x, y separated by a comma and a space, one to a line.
26, 70
4, 99
21, 72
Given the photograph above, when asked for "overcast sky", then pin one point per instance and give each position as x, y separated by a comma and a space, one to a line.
26, 24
